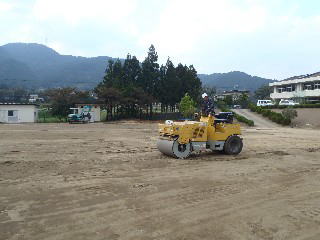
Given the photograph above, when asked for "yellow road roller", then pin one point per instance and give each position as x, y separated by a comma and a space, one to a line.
217, 133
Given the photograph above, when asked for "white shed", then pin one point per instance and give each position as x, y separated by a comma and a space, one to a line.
18, 112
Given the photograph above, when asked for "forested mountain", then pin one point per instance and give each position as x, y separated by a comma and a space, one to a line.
233, 80
34, 65
37, 66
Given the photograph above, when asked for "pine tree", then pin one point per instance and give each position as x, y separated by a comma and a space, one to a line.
133, 86
150, 72
131, 71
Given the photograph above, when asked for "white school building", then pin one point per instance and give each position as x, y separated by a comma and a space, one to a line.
306, 86
18, 113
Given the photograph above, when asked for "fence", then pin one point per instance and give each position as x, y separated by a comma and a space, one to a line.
154, 112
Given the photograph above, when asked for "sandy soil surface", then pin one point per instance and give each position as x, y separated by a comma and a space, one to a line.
108, 181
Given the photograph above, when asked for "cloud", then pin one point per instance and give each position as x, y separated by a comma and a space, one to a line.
274, 38
5, 6
184, 23
262, 38
75, 12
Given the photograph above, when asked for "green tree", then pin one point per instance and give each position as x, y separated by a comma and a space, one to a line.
172, 86
108, 95
243, 100
187, 106
131, 86
150, 72
228, 100
194, 84
17, 95
162, 88
263, 92
190, 82
121, 89
63, 99
149, 78
131, 71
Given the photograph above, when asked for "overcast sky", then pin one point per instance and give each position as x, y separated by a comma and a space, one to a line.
268, 38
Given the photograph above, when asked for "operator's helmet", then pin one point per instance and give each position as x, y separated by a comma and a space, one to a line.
204, 95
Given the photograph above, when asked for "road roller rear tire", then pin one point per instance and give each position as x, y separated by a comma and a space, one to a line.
233, 145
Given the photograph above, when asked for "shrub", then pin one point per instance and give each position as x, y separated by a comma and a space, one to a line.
243, 119
273, 116
315, 105
266, 113
187, 106
289, 113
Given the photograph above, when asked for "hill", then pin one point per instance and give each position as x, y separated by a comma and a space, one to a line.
37, 66
233, 80
32, 65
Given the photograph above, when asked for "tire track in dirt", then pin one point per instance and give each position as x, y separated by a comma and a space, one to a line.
270, 191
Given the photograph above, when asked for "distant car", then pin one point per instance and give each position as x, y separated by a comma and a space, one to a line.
263, 103
287, 102
236, 106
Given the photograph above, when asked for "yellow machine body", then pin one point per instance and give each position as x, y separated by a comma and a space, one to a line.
206, 133
202, 131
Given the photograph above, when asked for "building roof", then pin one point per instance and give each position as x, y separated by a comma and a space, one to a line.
298, 79
6, 103
295, 81
316, 74
88, 104
234, 92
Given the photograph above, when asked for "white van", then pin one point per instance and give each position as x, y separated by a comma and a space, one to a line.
287, 102
263, 103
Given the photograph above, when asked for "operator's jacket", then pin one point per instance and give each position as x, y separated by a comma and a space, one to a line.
207, 107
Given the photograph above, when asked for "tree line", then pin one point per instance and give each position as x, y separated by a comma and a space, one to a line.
132, 87
13, 94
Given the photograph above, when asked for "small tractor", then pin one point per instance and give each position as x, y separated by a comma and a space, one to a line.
75, 117
217, 133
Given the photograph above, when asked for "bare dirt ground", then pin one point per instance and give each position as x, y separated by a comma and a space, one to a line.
108, 181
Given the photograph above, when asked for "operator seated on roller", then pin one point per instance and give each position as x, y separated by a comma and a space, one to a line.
207, 106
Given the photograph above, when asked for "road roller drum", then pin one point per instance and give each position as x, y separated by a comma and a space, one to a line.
174, 148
